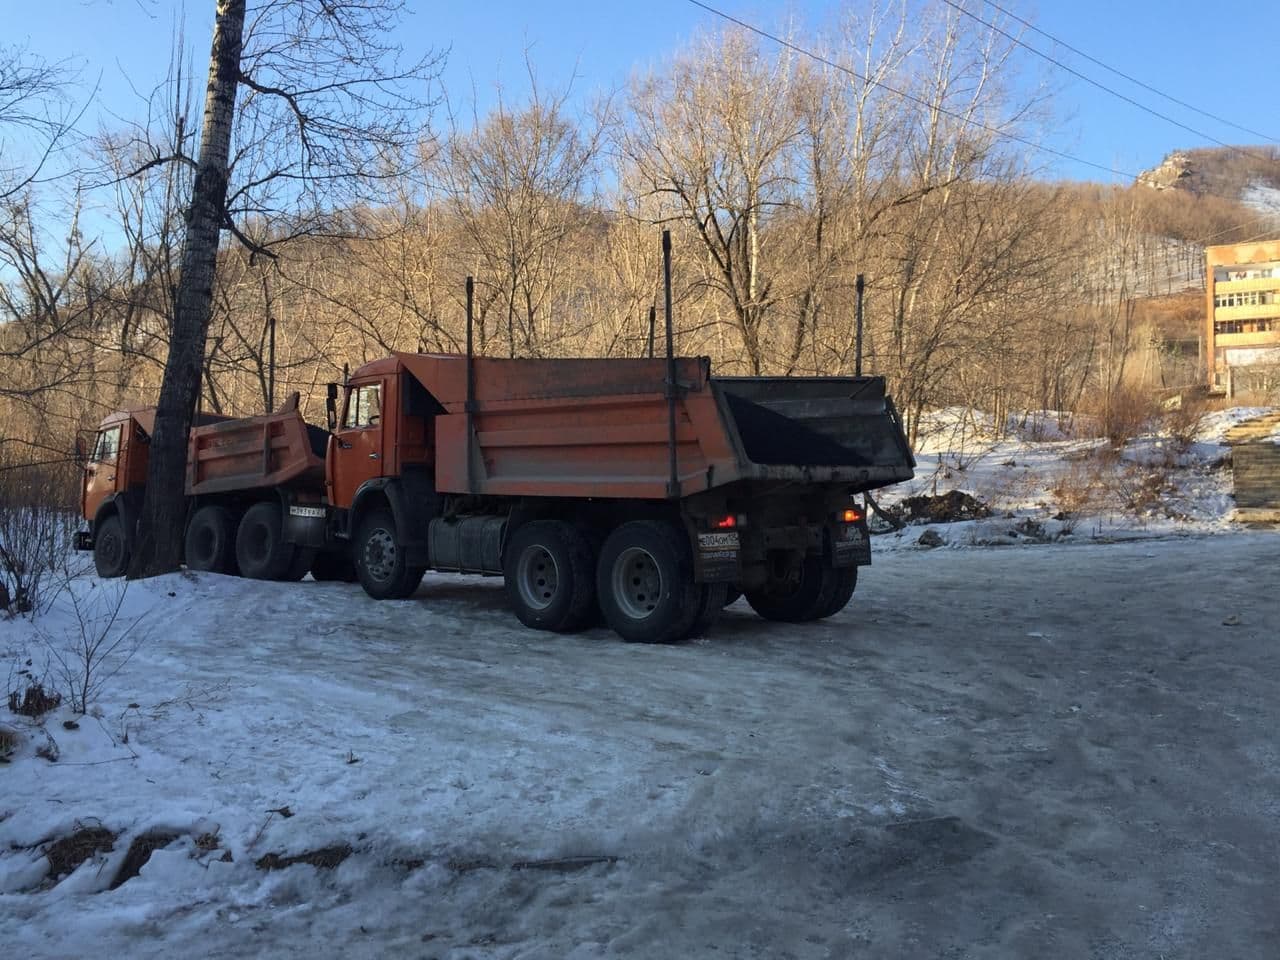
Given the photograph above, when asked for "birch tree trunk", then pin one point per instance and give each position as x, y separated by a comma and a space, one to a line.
157, 546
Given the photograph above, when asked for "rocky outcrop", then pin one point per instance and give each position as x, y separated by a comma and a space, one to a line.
1176, 172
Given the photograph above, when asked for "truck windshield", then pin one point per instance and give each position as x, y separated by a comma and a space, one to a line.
107, 447
364, 406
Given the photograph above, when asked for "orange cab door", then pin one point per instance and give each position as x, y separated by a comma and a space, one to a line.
100, 473
358, 442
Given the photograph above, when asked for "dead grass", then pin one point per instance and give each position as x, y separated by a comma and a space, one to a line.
1181, 420
9, 741
140, 851
67, 853
35, 701
1126, 413
322, 858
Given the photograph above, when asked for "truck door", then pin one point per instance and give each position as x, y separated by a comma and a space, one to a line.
100, 473
358, 446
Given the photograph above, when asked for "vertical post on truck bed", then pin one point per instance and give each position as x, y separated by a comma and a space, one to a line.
271, 364
673, 482
653, 315
471, 387
857, 348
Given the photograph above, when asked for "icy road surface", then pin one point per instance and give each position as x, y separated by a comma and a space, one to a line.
1054, 751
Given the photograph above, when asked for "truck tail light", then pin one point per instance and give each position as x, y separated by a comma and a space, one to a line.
850, 515
727, 522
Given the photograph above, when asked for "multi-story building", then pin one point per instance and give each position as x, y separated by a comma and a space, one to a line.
1243, 328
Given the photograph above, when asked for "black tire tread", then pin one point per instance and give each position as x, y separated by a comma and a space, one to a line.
223, 559
574, 548
686, 596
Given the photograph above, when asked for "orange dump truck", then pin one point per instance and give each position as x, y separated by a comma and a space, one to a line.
595, 487
255, 491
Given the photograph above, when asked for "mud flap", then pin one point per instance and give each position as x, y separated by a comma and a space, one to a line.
849, 544
716, 559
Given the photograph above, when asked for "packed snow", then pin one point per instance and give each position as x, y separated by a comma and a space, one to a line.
1060, 748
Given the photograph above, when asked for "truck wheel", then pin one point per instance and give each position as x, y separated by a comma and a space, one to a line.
550, 577
333, 565
110, 551
644, 581
260, 547
798, 599
380, 561
709, 606
208, 545
846, 581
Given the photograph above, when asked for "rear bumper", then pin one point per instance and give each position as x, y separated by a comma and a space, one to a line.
84, 540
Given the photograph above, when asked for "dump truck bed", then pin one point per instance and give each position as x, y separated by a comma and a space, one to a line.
599, 428
272, 450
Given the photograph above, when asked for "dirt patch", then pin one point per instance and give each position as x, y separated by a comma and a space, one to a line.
323, 858
139, 853
67, 853
35, 701
9, 741
950, 507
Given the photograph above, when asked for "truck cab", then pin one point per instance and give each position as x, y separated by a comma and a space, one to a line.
115, 470
386, 425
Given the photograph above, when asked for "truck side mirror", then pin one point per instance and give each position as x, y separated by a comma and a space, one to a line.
331, 405
81, 451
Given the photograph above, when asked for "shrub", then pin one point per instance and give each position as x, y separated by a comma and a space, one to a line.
1123, 414
36, 534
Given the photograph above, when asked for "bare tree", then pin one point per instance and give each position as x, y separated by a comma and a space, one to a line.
517, 183
713, 137
329, 116
34, 107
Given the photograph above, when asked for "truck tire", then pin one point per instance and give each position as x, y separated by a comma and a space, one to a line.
261, 550
209, 543
808, 597
644, 581
550, 576
846, 581
110, 549
710, 605
330, 565
380, 561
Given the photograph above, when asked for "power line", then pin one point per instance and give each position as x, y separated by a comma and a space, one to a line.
1004, 134
1102, 86
1120, 73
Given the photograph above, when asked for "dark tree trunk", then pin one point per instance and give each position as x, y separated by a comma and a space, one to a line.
158, 542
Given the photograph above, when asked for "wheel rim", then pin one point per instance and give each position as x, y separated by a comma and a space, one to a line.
637, 583
380, 554
789, 582
537, 577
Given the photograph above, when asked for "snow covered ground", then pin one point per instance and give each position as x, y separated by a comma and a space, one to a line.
1063, 749
1038, 471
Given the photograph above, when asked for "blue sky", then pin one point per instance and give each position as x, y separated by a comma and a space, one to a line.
1206, 58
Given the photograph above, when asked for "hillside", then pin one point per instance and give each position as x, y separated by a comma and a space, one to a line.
1248, 174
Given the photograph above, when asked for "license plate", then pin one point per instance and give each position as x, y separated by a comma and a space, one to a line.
296, 511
